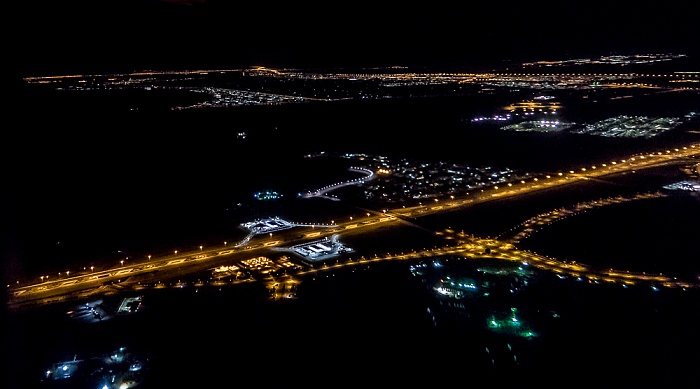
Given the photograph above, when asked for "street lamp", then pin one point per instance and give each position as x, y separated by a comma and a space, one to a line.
149, 257
122, 261
92, 268
200, 247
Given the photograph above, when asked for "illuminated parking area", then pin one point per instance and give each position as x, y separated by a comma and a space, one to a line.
130, 305
320, 250
262, 226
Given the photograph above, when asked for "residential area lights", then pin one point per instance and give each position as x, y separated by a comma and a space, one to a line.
544, 180
377, 85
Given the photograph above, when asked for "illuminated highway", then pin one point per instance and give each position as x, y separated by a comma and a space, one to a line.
466, 246
594, 172
528, 227
470, 247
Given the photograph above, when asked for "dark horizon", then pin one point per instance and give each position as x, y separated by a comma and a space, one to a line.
73, 37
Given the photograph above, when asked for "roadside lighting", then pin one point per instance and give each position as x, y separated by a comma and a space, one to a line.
224, 243
42, 278
67, 273
122, 262
200, 247
149, 257
175, 251
92, 268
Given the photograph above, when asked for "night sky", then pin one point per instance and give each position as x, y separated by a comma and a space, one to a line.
73, 36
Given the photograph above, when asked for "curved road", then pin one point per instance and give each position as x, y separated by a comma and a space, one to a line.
85, 283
